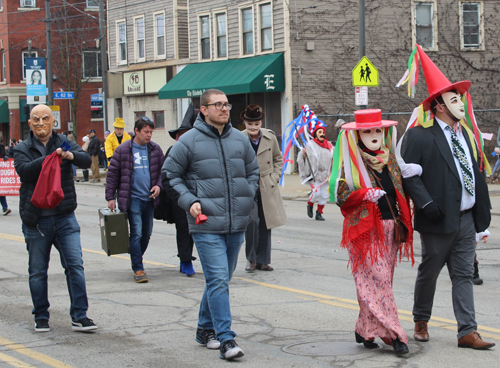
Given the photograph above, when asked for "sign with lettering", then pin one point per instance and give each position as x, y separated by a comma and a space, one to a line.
56, 111
133, 83
9, 180
64, 95
36, 81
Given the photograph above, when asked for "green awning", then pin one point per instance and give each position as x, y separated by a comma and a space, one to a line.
247, 75
4, 111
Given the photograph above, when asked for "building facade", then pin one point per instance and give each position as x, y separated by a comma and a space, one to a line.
163, 55
75, 59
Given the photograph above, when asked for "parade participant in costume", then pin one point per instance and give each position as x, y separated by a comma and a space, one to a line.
269, 211
366, 183
315, 163
450, 197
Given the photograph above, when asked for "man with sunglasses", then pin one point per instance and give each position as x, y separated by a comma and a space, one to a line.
212, 171
134, 177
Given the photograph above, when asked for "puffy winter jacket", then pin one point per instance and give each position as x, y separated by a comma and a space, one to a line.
218, 170
28, 163
111, 144
120, 172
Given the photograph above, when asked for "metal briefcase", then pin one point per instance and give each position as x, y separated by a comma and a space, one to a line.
114, 231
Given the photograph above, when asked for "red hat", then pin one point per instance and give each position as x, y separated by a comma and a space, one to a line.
437, 83
368, 119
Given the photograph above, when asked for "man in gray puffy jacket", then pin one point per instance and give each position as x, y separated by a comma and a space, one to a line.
212, 170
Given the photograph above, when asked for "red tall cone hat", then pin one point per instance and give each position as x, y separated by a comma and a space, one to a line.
437, 83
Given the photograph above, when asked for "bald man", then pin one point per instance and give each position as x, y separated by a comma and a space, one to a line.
56, 226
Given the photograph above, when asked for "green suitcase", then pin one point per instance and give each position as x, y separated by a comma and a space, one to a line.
114, 231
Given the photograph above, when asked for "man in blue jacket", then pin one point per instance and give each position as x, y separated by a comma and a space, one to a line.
57, 226
212, 170
134, 175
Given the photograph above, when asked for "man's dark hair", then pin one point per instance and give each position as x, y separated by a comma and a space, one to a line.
143, 122
205, 97
439, 99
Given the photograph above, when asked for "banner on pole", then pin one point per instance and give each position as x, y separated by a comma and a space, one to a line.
36, 81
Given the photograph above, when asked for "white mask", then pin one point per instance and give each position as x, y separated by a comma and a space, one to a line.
454, 104
371, 138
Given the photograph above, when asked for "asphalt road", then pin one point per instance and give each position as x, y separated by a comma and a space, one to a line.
300, 315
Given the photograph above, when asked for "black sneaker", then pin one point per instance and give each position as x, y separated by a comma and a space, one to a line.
83, 325
230, 350
42, 325
207, 338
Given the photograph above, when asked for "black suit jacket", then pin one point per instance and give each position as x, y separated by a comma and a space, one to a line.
440, 181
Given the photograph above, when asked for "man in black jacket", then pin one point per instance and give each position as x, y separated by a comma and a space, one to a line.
57, 226
451, 204
93, 150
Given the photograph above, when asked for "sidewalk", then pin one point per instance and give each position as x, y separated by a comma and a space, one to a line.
293, 190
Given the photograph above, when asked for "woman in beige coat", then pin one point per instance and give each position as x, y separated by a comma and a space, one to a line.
269, 211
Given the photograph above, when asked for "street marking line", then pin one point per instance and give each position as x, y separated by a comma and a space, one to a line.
449, 324
33, 354
14, 362
350, 303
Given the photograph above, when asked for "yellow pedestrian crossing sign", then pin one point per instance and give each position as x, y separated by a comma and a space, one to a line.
365, 74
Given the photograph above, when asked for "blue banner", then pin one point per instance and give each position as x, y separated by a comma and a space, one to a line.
36, 81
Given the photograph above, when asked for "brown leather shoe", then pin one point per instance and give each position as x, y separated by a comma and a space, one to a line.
263, 267
250, 267
421, 333
474, 341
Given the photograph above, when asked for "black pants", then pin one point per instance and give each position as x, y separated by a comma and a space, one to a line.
184, 240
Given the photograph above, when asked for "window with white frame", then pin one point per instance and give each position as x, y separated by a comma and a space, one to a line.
121, 30
471, 24
266, 27
160, 34
247, 30
424, 24
140, 51
92, 3
205, 36
4, 67
1, 4
28, 4
25, 55
221, 35
92, 64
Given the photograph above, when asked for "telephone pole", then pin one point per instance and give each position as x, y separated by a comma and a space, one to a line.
49, 53
104, 62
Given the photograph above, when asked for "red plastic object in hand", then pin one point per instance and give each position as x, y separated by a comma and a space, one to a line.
201, 219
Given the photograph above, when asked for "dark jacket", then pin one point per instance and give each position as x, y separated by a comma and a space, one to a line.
219, 171
28, 163
93, 148
120, 172
440, 181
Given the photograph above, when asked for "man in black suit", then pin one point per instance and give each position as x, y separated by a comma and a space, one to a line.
451, 204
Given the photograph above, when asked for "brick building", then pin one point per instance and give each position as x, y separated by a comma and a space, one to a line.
75, 29
220, 43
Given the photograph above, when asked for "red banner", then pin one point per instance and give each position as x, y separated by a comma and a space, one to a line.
9, 180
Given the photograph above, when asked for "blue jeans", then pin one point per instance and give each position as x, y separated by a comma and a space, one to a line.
140, 218
218, 255
3, 201
64, 232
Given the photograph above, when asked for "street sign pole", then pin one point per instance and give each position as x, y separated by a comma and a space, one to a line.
362, 40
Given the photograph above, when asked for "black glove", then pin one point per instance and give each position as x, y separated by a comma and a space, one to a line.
433, 212
6, 158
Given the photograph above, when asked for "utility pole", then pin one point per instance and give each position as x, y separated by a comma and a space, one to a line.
362, 39
49, 53
104, 63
